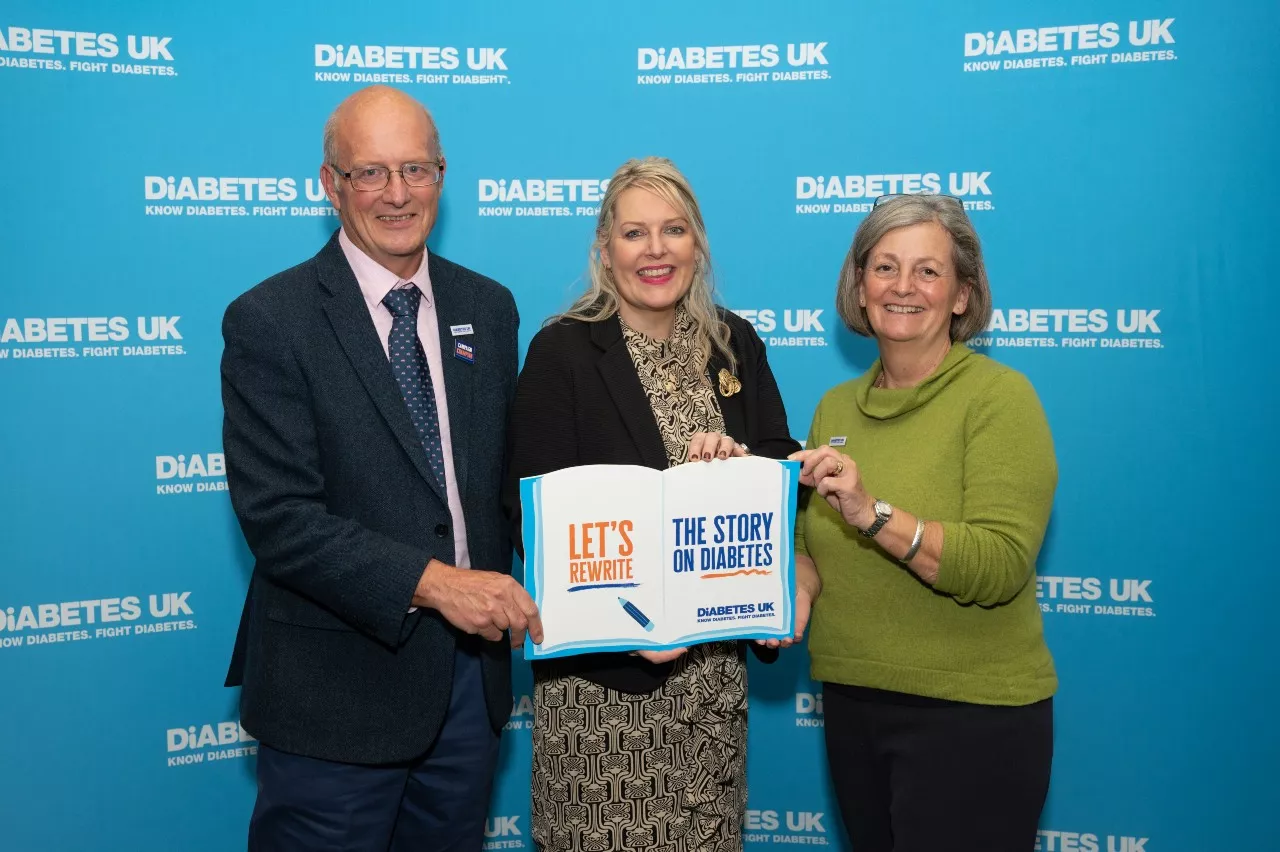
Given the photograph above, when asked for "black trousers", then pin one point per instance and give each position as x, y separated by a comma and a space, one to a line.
915, 774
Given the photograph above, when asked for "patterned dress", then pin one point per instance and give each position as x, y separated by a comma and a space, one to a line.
664, 771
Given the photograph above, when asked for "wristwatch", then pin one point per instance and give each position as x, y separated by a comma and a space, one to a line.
883, 513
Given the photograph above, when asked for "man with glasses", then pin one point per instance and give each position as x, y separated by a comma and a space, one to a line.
366, 392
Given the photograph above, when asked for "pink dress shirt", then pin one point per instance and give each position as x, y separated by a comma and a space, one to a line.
376, 281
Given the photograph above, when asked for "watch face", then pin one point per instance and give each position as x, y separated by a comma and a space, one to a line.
883, 509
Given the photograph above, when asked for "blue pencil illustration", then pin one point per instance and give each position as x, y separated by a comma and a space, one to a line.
634, 612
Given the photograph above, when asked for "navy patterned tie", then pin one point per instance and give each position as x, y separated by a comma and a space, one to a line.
409, 364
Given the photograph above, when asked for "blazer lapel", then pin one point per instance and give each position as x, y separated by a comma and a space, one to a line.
628, 395
349, 317
454, 306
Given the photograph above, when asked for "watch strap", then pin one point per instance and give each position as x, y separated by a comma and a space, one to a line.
882, 518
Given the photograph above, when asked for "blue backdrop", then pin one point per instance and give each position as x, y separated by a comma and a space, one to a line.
1120, 160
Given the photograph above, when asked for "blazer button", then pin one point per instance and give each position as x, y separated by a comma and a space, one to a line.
442, 530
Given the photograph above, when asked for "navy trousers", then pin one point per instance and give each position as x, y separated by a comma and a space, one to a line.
436, 803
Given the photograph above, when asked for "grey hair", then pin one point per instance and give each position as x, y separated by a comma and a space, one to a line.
661, 177
966, 255
330, 151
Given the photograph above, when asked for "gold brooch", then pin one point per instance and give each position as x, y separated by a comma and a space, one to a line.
729, 384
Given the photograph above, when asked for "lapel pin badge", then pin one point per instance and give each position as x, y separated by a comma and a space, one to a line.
463, 352
729, 384
459, 330
838, 441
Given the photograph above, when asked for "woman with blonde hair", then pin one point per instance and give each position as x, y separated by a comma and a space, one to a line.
646, 750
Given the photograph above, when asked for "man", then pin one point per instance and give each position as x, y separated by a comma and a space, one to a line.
366, 392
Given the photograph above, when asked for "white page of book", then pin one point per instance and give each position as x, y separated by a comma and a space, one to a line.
602, 541
727, 532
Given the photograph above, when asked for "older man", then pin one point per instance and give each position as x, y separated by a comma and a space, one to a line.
366, 392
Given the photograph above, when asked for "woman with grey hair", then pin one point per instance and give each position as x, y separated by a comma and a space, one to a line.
928, 483
645, 751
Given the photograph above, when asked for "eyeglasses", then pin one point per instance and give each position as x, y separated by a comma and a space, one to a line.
376, 178
950, 198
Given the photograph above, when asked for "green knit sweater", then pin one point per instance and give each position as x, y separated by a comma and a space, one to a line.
969, 447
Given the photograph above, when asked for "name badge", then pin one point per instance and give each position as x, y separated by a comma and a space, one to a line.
457, 330
838, 441
463, 352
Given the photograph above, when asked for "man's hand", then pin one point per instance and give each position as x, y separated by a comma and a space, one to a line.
483, 602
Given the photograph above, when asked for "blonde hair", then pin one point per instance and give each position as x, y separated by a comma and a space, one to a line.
659, 176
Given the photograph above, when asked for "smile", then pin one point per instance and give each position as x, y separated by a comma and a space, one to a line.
903, 309
403, 217
656, 274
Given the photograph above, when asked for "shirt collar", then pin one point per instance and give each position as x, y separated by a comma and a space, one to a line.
375, 280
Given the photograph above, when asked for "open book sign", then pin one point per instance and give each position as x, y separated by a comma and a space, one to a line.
618, 557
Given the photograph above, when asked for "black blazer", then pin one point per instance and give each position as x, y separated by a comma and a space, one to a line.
579, 401
337, 502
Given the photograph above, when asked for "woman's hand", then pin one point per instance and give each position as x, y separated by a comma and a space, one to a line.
705, 446
804, 605
808, 587
836, 479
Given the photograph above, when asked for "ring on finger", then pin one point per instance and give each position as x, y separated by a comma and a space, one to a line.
839, 467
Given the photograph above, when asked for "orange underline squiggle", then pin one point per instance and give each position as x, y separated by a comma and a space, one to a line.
737, 573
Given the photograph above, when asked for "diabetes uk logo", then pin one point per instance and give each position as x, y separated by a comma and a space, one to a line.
779, 326
86, 52
809, 710
539, 197
785, 827
194, 473
1108, 44
1126, 597
207, 743
840, 194
410, 64
25, 625
1073, 329
69, 338
1050, 840
271, 196
733, 64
